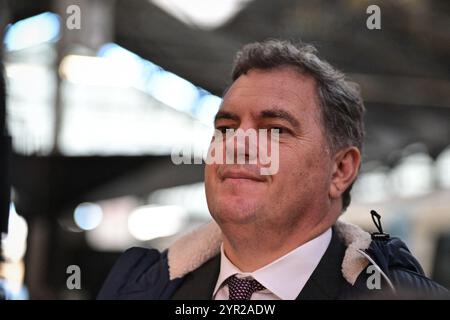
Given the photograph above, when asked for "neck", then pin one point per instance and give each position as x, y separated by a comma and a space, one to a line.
249, 248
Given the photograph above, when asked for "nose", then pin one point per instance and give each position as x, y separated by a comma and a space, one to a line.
242, 146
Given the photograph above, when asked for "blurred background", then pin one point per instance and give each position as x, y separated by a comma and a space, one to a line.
100, 92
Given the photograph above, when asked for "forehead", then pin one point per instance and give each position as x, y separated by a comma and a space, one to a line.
282, 88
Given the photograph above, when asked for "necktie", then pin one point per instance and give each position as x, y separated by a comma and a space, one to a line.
242, 289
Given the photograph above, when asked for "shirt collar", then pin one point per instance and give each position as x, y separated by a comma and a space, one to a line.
286, 276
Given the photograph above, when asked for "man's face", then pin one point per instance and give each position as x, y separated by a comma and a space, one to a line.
238, 194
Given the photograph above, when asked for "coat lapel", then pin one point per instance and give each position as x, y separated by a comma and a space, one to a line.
326, 280
200, 283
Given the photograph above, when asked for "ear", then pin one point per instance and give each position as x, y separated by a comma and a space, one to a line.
345, 169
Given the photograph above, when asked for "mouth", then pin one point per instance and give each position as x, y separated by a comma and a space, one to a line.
240, 175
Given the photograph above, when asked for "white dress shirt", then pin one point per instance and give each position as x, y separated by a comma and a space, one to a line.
283, 278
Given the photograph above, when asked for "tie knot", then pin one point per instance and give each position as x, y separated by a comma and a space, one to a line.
242, 289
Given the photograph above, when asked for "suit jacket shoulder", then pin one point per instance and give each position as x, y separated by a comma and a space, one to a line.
139, 273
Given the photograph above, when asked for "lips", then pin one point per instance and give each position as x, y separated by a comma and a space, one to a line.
237, 174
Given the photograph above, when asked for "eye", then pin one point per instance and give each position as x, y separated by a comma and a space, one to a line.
281, 130
223, 129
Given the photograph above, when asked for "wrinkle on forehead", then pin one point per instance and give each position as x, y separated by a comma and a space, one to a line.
283, 77
277, 87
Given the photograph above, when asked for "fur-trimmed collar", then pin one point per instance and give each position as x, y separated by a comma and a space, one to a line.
192, 250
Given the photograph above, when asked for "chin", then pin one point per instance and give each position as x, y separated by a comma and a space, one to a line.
237, 210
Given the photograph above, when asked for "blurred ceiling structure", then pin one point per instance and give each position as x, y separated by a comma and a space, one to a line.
403, 70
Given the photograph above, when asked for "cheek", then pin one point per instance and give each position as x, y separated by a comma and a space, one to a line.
210, 186
303, 170
212, 181
210, 171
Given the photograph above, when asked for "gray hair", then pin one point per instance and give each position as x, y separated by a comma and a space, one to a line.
340, 100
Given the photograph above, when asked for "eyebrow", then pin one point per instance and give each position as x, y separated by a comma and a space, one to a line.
274, 113
225, 115
280, 114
